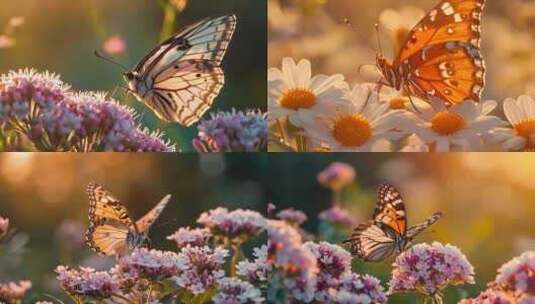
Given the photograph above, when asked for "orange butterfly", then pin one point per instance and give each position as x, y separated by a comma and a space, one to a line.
441, 58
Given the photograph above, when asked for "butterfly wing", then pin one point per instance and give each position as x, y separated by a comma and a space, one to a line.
184, 72
390, 209
109, 223
371, 243
144, 224
418, 228
443, 55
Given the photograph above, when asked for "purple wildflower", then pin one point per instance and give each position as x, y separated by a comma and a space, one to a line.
337, 216
149, 264
490, 296
43, 109
14, 292
296, 264
258, 270
357, 289
70, 233
337, 176
235, 131
235, 291
518, 275
430, 268
292, 216
238, 225
184, 237
200, 268
86, 283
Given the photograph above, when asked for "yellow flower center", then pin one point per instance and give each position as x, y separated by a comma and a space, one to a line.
352, 130
526, 129
297, 98
399, 103
447, 123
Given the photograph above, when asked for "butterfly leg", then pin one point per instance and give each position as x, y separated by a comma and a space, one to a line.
412, 102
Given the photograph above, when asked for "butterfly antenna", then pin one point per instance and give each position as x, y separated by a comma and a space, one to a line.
99, 55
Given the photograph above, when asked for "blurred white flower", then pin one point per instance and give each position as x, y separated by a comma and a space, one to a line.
294, 93
362, 124
521, 114
399, 22
461, 127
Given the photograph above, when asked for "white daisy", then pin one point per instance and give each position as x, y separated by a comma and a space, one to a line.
459, 128
294, 93
359, 125
521, 115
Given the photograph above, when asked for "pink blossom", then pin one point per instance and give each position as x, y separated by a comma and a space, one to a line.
235, 291
114, 45
337, 176
430, 268
149, 264
337, 216
200, 268
491, 296
292, 216
4, 226
14, 292
258, 270
86, 282
357, 289
190, 237
238, 225
518, 275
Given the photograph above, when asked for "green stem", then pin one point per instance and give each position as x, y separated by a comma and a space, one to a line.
337, 197
235, 259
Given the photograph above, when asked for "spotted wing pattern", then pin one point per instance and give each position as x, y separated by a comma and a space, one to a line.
371, 243
109, 223
184, 72
441, 57
390, 209
418, 228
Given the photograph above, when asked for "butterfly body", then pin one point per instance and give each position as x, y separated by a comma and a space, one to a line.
111, 231
387, 233
180, 78
441, 58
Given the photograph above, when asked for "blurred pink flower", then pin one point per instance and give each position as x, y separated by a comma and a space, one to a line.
429, 269
6, 42
190, 237
292, 216
235, 291
490, 296
337, 216
87, 283
114, 45
14, 292
148, 264
4, 226
71, 233
337, 176
200, 268
15, 22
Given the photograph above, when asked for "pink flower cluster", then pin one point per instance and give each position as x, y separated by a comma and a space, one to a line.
235, 291
86, 283
13, 292
292, 216
200, 268
258, 270
515, 283
42, 108
184, 237
148, 264
337, 176
337, 216
430, 268
237, 226
4, 226
356, 289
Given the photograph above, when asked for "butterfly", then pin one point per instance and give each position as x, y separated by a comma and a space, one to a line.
180, 78
111, 231
441, 58
376, 240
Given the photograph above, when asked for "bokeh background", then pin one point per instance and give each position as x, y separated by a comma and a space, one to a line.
316, 30
43, 195
488, 202
61, 35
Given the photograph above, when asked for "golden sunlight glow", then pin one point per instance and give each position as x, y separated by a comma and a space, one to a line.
298, 98
352, 130
447, 123
16, 167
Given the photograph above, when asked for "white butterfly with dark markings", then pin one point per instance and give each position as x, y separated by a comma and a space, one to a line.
376, 240
180, 78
